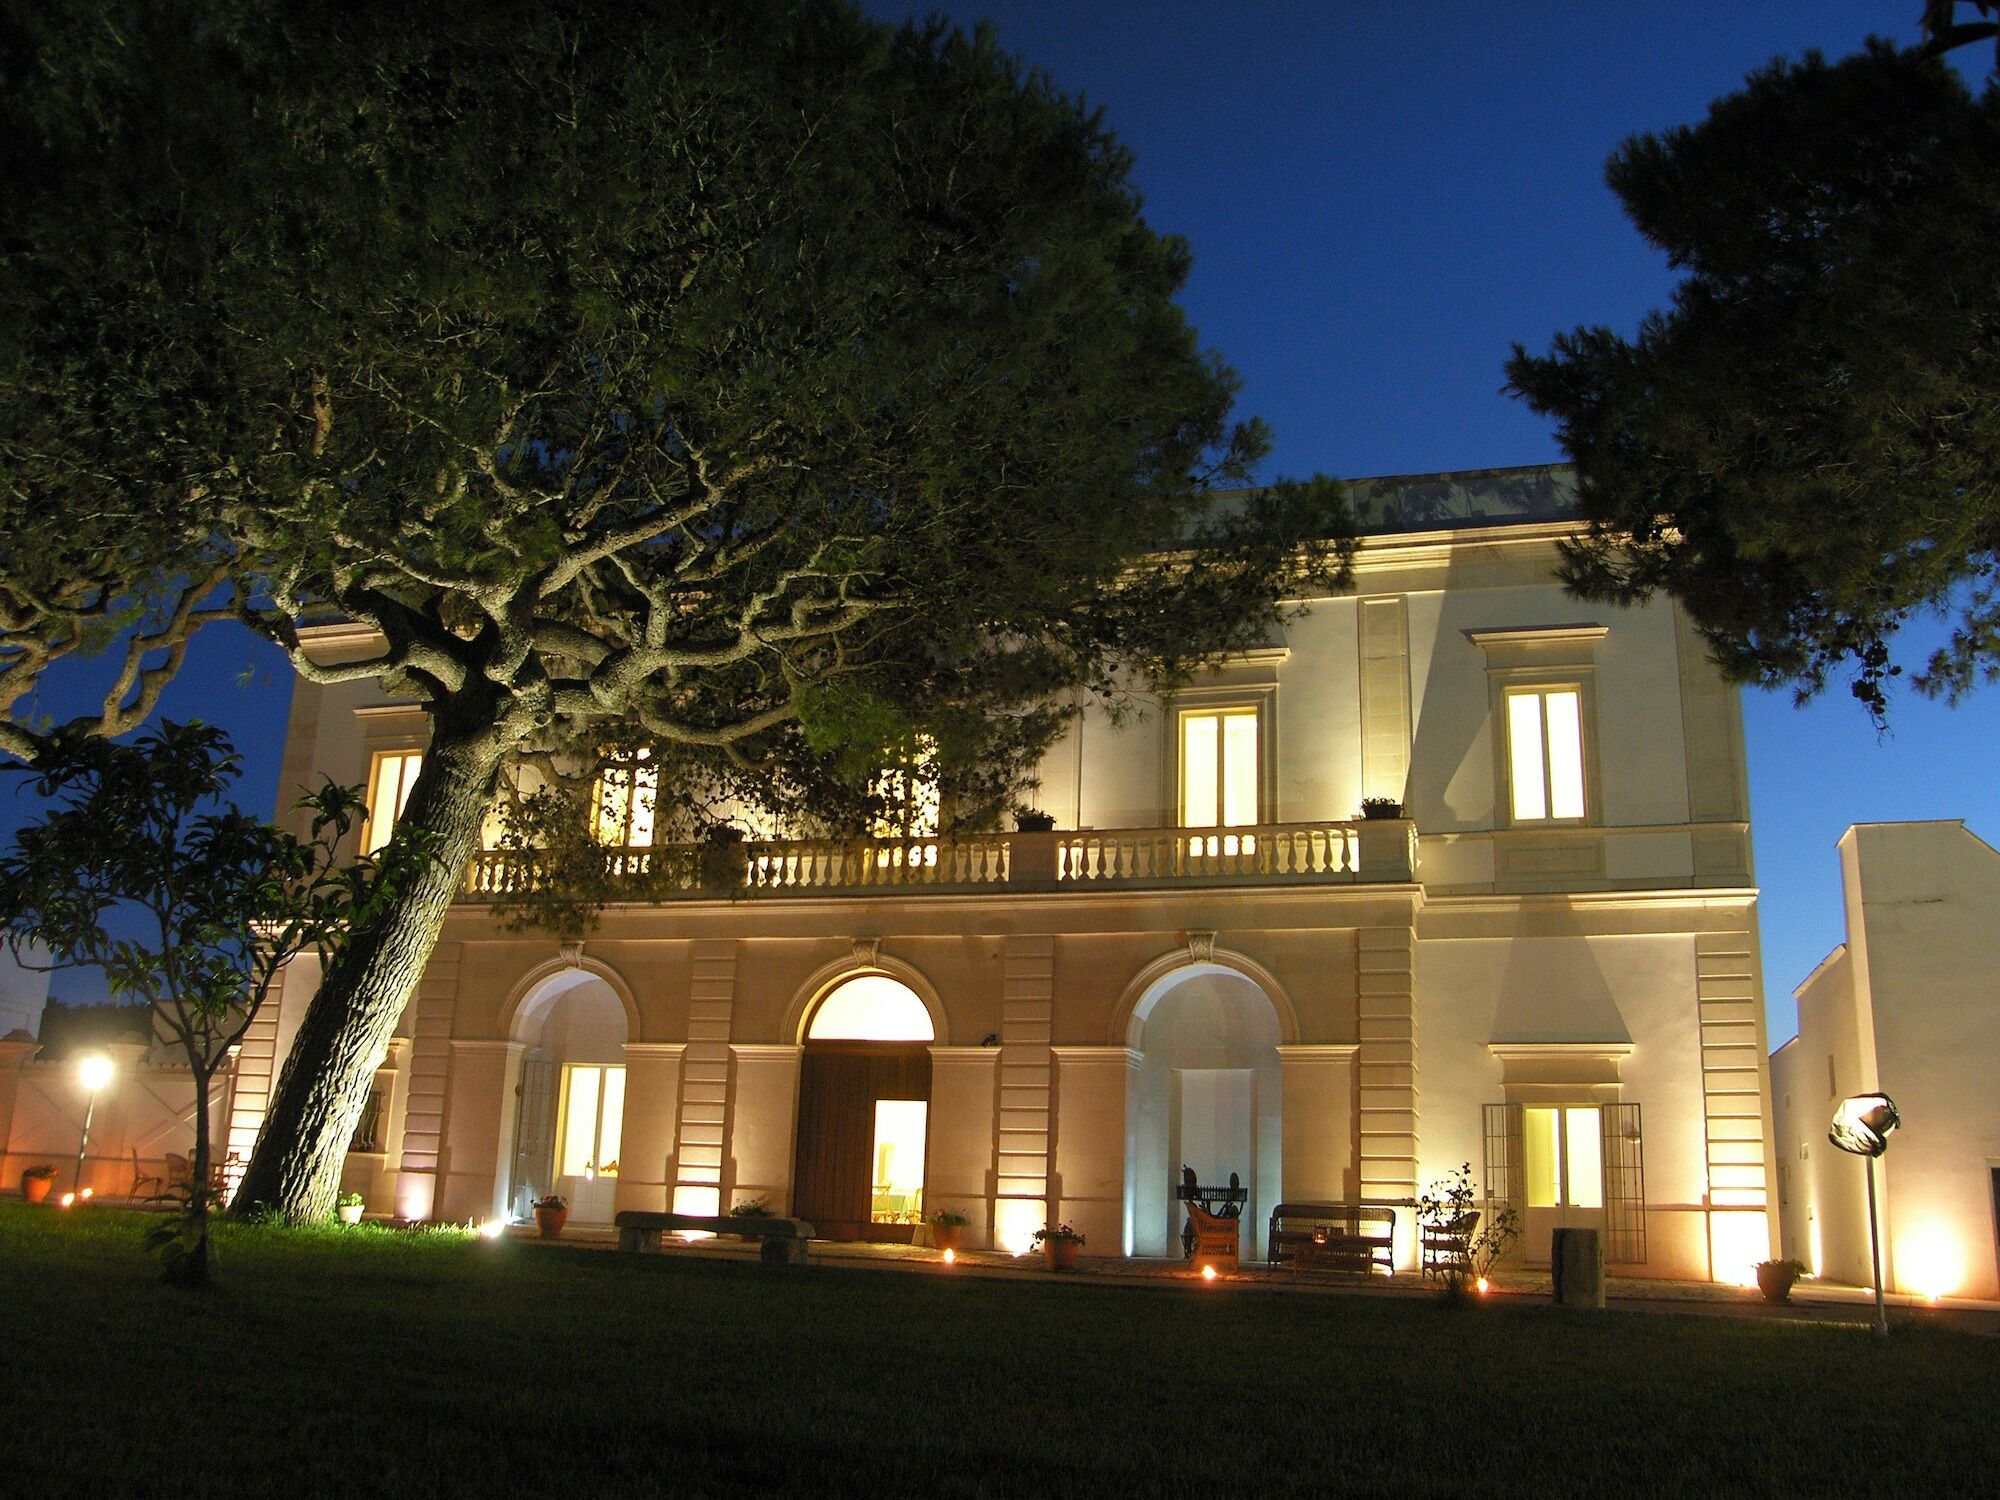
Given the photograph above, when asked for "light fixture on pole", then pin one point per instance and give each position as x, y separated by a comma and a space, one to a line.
93, 1071
1861, 1125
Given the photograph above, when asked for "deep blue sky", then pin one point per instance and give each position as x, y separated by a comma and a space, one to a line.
1381, 199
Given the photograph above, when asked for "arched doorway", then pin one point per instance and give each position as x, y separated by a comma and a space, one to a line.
570, 1104
1207, 1094
864, 1111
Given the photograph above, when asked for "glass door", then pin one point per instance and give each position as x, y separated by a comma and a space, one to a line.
1562, 1161
593, 1120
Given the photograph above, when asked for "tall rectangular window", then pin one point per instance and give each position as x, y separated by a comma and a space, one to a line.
1545, 753
390, 778
593, 1121
1563, 1157
1219, 768
626, 798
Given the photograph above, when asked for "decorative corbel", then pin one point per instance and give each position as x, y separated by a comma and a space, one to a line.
1200, 946
866, 950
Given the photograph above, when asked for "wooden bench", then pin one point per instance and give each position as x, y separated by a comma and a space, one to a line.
1350, 1239
783, 1240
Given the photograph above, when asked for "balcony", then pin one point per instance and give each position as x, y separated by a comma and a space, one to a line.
1346, 853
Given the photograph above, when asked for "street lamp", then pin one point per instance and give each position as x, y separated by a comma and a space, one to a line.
93, 1071
1861, 1125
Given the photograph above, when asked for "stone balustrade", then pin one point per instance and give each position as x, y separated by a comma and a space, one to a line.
1364, 850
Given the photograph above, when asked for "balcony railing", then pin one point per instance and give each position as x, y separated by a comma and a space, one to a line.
1095, 859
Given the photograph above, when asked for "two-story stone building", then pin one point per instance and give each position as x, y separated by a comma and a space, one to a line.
1546, 966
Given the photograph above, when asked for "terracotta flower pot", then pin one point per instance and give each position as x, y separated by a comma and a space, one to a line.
550, 1221
948, 1236
1775, 1281
34, 1189
1061, 1254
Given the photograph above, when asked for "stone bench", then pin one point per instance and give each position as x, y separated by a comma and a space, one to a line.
783, 1240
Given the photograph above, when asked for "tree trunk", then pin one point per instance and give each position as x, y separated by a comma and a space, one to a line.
295, 1168
190, 1267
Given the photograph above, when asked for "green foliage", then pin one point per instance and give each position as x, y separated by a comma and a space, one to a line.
1805, 450
949, 1218
751, 1208
776, 383
41, 1170
186, 903
1446, 1206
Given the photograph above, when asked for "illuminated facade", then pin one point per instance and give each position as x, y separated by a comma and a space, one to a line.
1542, 961
1907, 1006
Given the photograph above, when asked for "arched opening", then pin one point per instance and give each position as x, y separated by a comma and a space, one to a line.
864, 1111
569, 1113
1207, 1095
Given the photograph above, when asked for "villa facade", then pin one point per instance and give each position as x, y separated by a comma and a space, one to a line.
1546, 967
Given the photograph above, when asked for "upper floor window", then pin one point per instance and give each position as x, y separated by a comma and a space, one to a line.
627, 796
1545, 753
390, 777
1219, 766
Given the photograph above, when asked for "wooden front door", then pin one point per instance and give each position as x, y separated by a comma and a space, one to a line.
840, 1084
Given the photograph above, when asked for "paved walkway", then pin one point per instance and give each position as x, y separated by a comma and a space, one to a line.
1812, 1301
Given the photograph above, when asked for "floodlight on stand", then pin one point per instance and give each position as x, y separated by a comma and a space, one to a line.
1862, 1126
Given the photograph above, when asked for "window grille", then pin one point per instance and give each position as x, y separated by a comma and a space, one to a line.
368, 1129
1504, 1186
1624, 1186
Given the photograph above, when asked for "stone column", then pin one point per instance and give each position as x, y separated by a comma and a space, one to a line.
763, 1136
652, 1106
959, 1172
478, 1133
1021, 1133
1089, 1186
1320, 1163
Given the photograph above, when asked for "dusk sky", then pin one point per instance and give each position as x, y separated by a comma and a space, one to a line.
1381, 199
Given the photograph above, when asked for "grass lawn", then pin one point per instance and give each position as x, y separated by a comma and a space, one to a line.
364, 1361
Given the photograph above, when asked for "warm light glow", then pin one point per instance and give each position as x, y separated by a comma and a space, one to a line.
1219, 770
1015, 1221
492, 1229
94, 1071
86, 1193
68, 1200
896, 1195
593, 1116
871, 1008
1540, 1156
1737, 1242
1208, 1273
951, 1257
1484, 1286
1929, 1262
1545, 753
1583, 1158
394, 773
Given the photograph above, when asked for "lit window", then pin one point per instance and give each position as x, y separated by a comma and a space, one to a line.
626, 798
390, 778
593, 1117
896, 1196
910, 799
1545, 753
1219, 768
871, 1008
1562, 1157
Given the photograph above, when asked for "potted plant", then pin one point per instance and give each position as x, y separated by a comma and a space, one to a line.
1034, 820
725, 863
751, 1208
551, 1213
36, 1182
1775, 1278
1381, 807
948, 1229
1059, 1244
348, 1206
